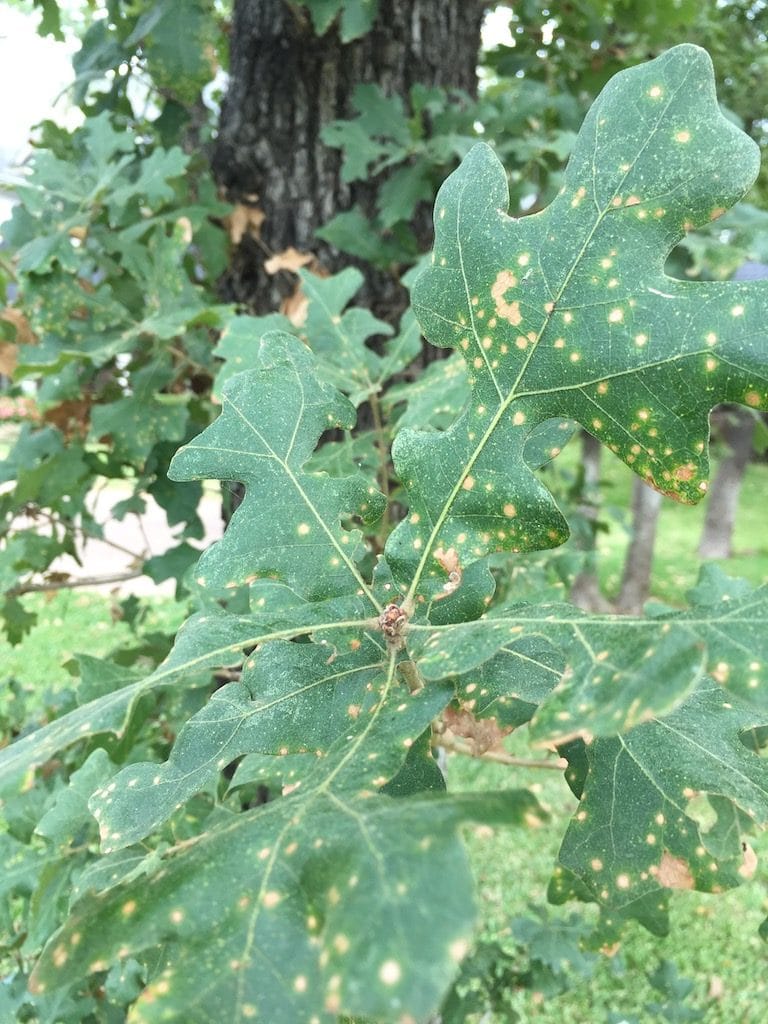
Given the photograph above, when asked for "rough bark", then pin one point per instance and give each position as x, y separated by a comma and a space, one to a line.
585, 590
736, 427
285, 84
636, 580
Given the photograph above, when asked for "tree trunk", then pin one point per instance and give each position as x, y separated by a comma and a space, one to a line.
736, 427
585, 590
636, 581
285, 85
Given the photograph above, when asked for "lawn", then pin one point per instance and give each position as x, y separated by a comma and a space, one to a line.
714, 941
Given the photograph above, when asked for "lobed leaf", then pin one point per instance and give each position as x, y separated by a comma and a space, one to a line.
271, 420
636, 835
569, 313
273, 906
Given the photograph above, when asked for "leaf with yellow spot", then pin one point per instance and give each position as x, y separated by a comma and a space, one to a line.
569, 313
273, 907
292, 698
639, 832
288, 526
599, 675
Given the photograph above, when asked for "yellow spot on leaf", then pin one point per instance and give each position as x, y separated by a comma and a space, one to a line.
390, 972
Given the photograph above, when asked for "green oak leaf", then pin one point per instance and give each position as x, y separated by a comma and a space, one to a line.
338, 337
206, 641
272, 418
335, 333
273, 906
569, 312
291, 698
69, 816
600, 675
636, 834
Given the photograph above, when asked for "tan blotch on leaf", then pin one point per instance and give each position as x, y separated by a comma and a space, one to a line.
674, 873
449, 560
509, 311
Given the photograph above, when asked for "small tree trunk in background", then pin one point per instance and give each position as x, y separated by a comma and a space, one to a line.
285, 85
736, 427
636, 581
585, 591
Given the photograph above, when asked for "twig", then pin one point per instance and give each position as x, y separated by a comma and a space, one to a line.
455, 746
383, 449
86, 535
83, 581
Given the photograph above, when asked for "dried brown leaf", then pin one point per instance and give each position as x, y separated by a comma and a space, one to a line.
289, 259
483, 734
295, 306
24, 333
245, 220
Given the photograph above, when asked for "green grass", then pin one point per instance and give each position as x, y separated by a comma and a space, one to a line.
71, 622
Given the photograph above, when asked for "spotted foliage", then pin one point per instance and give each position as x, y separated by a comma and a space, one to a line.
296, 856
569, 312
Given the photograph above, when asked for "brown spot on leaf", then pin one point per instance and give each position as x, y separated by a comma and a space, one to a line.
686, 472
673, 872
509, 311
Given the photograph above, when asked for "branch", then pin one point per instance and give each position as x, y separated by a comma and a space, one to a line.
85, 581
453, 745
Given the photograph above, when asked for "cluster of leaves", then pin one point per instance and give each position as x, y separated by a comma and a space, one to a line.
116, 253
253, 841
